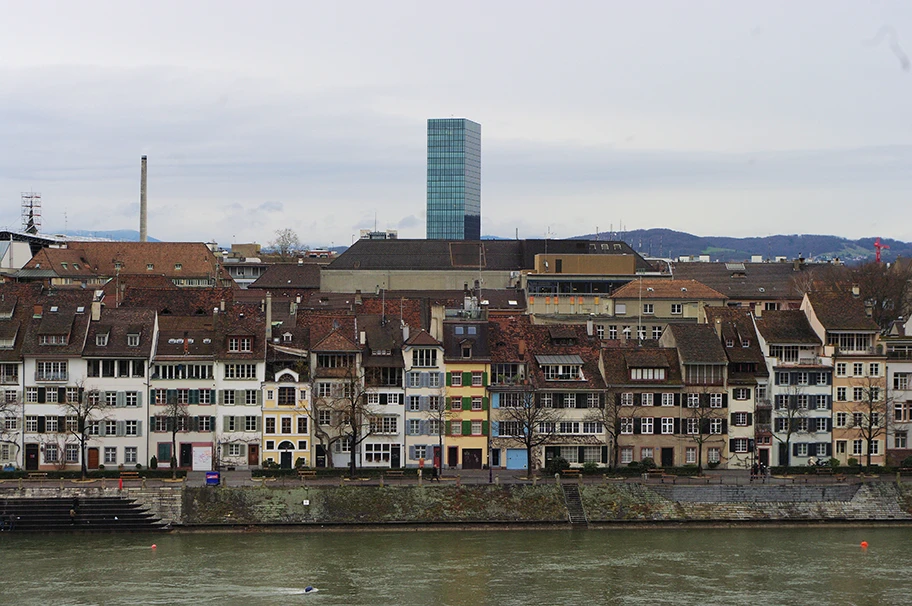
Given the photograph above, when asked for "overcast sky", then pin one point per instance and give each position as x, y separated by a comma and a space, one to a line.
715, 118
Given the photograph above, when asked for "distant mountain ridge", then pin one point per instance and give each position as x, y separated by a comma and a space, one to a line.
674, 244
121, 235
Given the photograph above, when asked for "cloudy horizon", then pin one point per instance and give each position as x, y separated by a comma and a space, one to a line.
711, 118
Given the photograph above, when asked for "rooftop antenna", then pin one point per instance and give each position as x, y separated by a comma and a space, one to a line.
31, 212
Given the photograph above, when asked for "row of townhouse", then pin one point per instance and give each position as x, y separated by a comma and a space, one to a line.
90, 385
230, 385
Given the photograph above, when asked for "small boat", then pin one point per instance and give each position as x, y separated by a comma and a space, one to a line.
310, 589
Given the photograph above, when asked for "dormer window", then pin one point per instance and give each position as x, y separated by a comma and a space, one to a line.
52, 340
286, 338
132, 340
178, 267
466, 351
729, 342
76, 266
101, 340
647, 374
118, 265
63, 266
561, 368
745, 343
426, 357
150, 266
240, 344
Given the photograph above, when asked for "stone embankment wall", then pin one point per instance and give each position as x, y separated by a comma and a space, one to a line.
374, 505
518, 504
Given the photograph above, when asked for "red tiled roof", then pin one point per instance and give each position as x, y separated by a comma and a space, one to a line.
657, 288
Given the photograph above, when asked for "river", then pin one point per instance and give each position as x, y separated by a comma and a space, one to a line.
802, 565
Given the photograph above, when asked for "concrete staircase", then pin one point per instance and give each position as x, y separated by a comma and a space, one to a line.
89, 514
574, 504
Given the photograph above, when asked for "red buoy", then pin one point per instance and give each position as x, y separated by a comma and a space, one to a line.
864, 544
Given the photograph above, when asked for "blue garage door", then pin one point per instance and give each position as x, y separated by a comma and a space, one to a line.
516, 458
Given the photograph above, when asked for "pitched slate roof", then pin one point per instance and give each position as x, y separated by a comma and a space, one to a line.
117, 324
177, 301
289, 275
787, 326
658, 288
422, 338
491, 255
67, 319
750, 281
618, 357
336, 341
841, 311
698, 344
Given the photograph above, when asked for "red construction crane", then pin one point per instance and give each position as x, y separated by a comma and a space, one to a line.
878, 247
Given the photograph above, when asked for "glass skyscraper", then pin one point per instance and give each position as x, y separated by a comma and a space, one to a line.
453, 179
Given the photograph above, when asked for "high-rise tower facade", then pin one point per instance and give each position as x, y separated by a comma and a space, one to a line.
453, 179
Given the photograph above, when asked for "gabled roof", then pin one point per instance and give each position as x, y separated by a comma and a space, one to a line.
787, 327
746, 281
490, 255
118, 324
618, 357
658, 288
336, 341
698, 344
422, 338
840, 311
289, 275
68, 320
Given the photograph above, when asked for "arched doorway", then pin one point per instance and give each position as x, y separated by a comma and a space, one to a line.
285, 454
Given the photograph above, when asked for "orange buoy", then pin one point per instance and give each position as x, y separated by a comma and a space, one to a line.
864, 544
154, 546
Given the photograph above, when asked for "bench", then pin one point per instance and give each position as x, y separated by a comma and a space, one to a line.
303, 474
37, 475
667, 476
398, 473
571, 473
840, 477
129, 475
905, 471
824, 471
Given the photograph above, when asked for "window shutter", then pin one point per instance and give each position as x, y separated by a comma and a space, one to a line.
466, 378
440, 379
550, 453
731, 445
732, 418
724, 426
257, 424
61, 394
495, 428
422, 429
240, 397
484, 403
829, 402
221, 396
795, 450
829, 449
139, 428
61, 424
225, 427
259, 397
422, 403
152, 423
41, 425
424, 379
121, 428
384, 398
812, 449
169, 423
750, 418
677, 425
120, 399
466, 403
704, 426
636, 425
605, 454
171, 396
194, 423
466, 428
484, 379
411, 452
224, 450
580, 454
656, 399
725, 400
484, 427
812, 425
139, 398
448, 379
42, 395
677, 399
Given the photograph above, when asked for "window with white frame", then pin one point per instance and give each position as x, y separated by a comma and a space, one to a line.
667, 425
803, 378
841, 369
424, 357
693, 400
668, 399
626, 399
648, 309
377, 453
801, 449
741, 393
715, 400
110, 455
841, 394
626, 455
677, 309
857, 447
715, 426
646, 452
626, 425
802, 401
456, 379
821, 378
455, 428
690, 455
414, 427
714, 455
646, 399
858, 394
858, 369
570, 400
51, 454
740, 419
71, 452
692, 426
741, 445
646, 424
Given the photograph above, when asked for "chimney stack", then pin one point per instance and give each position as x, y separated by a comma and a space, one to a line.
268, 316
142, 203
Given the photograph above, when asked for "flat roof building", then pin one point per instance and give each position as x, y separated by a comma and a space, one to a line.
453, 179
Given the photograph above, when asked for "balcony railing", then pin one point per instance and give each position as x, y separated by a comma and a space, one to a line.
764, 427
57, 377
764, 404
9, 379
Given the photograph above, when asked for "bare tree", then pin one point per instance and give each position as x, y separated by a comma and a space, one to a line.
439, 414
87, 408
610, 415
344, 414
527, 422
10, 413
789, 410
177, 419
870, 413
286, 244
703, 421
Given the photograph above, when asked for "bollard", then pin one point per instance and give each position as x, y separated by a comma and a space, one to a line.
381, 480
20, 483
420, 476
535, 480
458, 480
497, 480
557, 478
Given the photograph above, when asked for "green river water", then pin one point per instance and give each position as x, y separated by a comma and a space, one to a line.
803, 565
